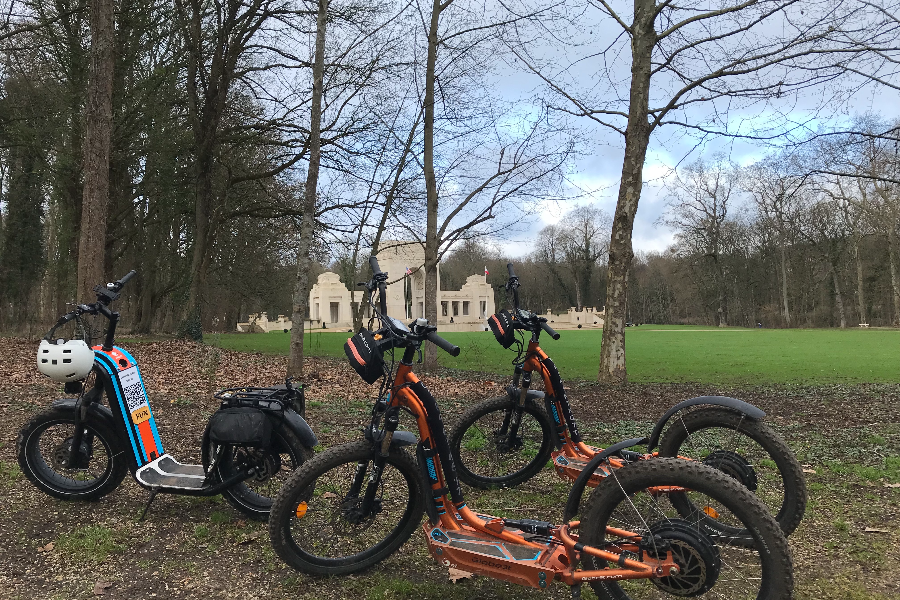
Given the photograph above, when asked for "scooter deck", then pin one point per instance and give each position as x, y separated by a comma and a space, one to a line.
473, 551
570, 467
166, 472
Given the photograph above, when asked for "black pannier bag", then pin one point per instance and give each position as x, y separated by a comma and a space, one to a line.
502, 326
365, 355
241, 426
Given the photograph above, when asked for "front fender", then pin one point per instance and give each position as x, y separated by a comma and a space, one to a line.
577, 491
96, 410
101, 413
739, 405
514, 393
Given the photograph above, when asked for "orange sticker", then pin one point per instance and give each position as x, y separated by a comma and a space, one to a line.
140, 415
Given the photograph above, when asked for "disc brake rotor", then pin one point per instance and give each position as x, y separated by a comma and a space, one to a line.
60, 457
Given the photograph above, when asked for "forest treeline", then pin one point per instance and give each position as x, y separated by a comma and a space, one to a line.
806, 238
252, 143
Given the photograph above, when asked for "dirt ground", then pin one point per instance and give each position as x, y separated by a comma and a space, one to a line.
848, 438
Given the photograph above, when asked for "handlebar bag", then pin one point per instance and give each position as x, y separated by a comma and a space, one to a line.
502, 325
241, 426
365, 355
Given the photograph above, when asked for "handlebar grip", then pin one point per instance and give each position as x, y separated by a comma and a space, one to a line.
509, 269
126, 277
382, 288
443, 344
550, 331
373, 262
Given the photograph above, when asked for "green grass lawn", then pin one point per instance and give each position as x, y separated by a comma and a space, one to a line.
665, 353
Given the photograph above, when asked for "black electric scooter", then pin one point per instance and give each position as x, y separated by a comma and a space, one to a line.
80, 449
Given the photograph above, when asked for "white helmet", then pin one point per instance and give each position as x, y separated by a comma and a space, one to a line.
70, 361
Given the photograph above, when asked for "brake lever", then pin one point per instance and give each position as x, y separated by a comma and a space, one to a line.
421, 357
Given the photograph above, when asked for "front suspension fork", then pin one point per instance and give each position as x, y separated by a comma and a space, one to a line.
79, 434
513, 417
379, 460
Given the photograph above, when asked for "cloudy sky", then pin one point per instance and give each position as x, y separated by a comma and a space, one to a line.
595, 174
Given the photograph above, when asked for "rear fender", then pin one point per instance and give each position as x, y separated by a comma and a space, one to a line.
733, 403
301, 428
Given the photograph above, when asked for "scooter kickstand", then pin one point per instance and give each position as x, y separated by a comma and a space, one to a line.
153, 494
576, 590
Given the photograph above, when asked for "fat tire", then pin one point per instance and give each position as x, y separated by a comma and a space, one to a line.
501, 405
29, 455
795, 495
298, 487
241, 497
769, 541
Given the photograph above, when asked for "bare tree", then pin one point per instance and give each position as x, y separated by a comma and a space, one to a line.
580, 242
826, 231
92, 245
703, 194
301, 295
520, 159
777, 188
719, 56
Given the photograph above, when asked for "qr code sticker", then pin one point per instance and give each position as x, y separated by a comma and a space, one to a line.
134, 395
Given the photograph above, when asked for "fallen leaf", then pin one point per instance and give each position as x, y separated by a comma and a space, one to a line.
874, 530
46, 548
456, 575
249, 538
812, 471
101, 586
892, 485
329, 495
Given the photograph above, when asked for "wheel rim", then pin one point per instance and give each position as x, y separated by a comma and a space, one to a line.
487, 453
325, 525
739, 574
47, 456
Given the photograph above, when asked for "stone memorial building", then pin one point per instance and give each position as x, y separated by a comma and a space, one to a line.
466, 309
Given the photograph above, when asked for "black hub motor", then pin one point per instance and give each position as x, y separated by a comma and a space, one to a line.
506, 444
695, 553
733, 465
265, 464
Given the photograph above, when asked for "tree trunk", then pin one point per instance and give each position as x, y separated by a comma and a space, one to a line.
307, 225
637, 137
860, 292
98, 128
838, 299
579, 299
431, 210
784, 287
895, 277
193, 322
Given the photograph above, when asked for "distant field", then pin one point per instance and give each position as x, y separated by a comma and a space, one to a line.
659, 353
